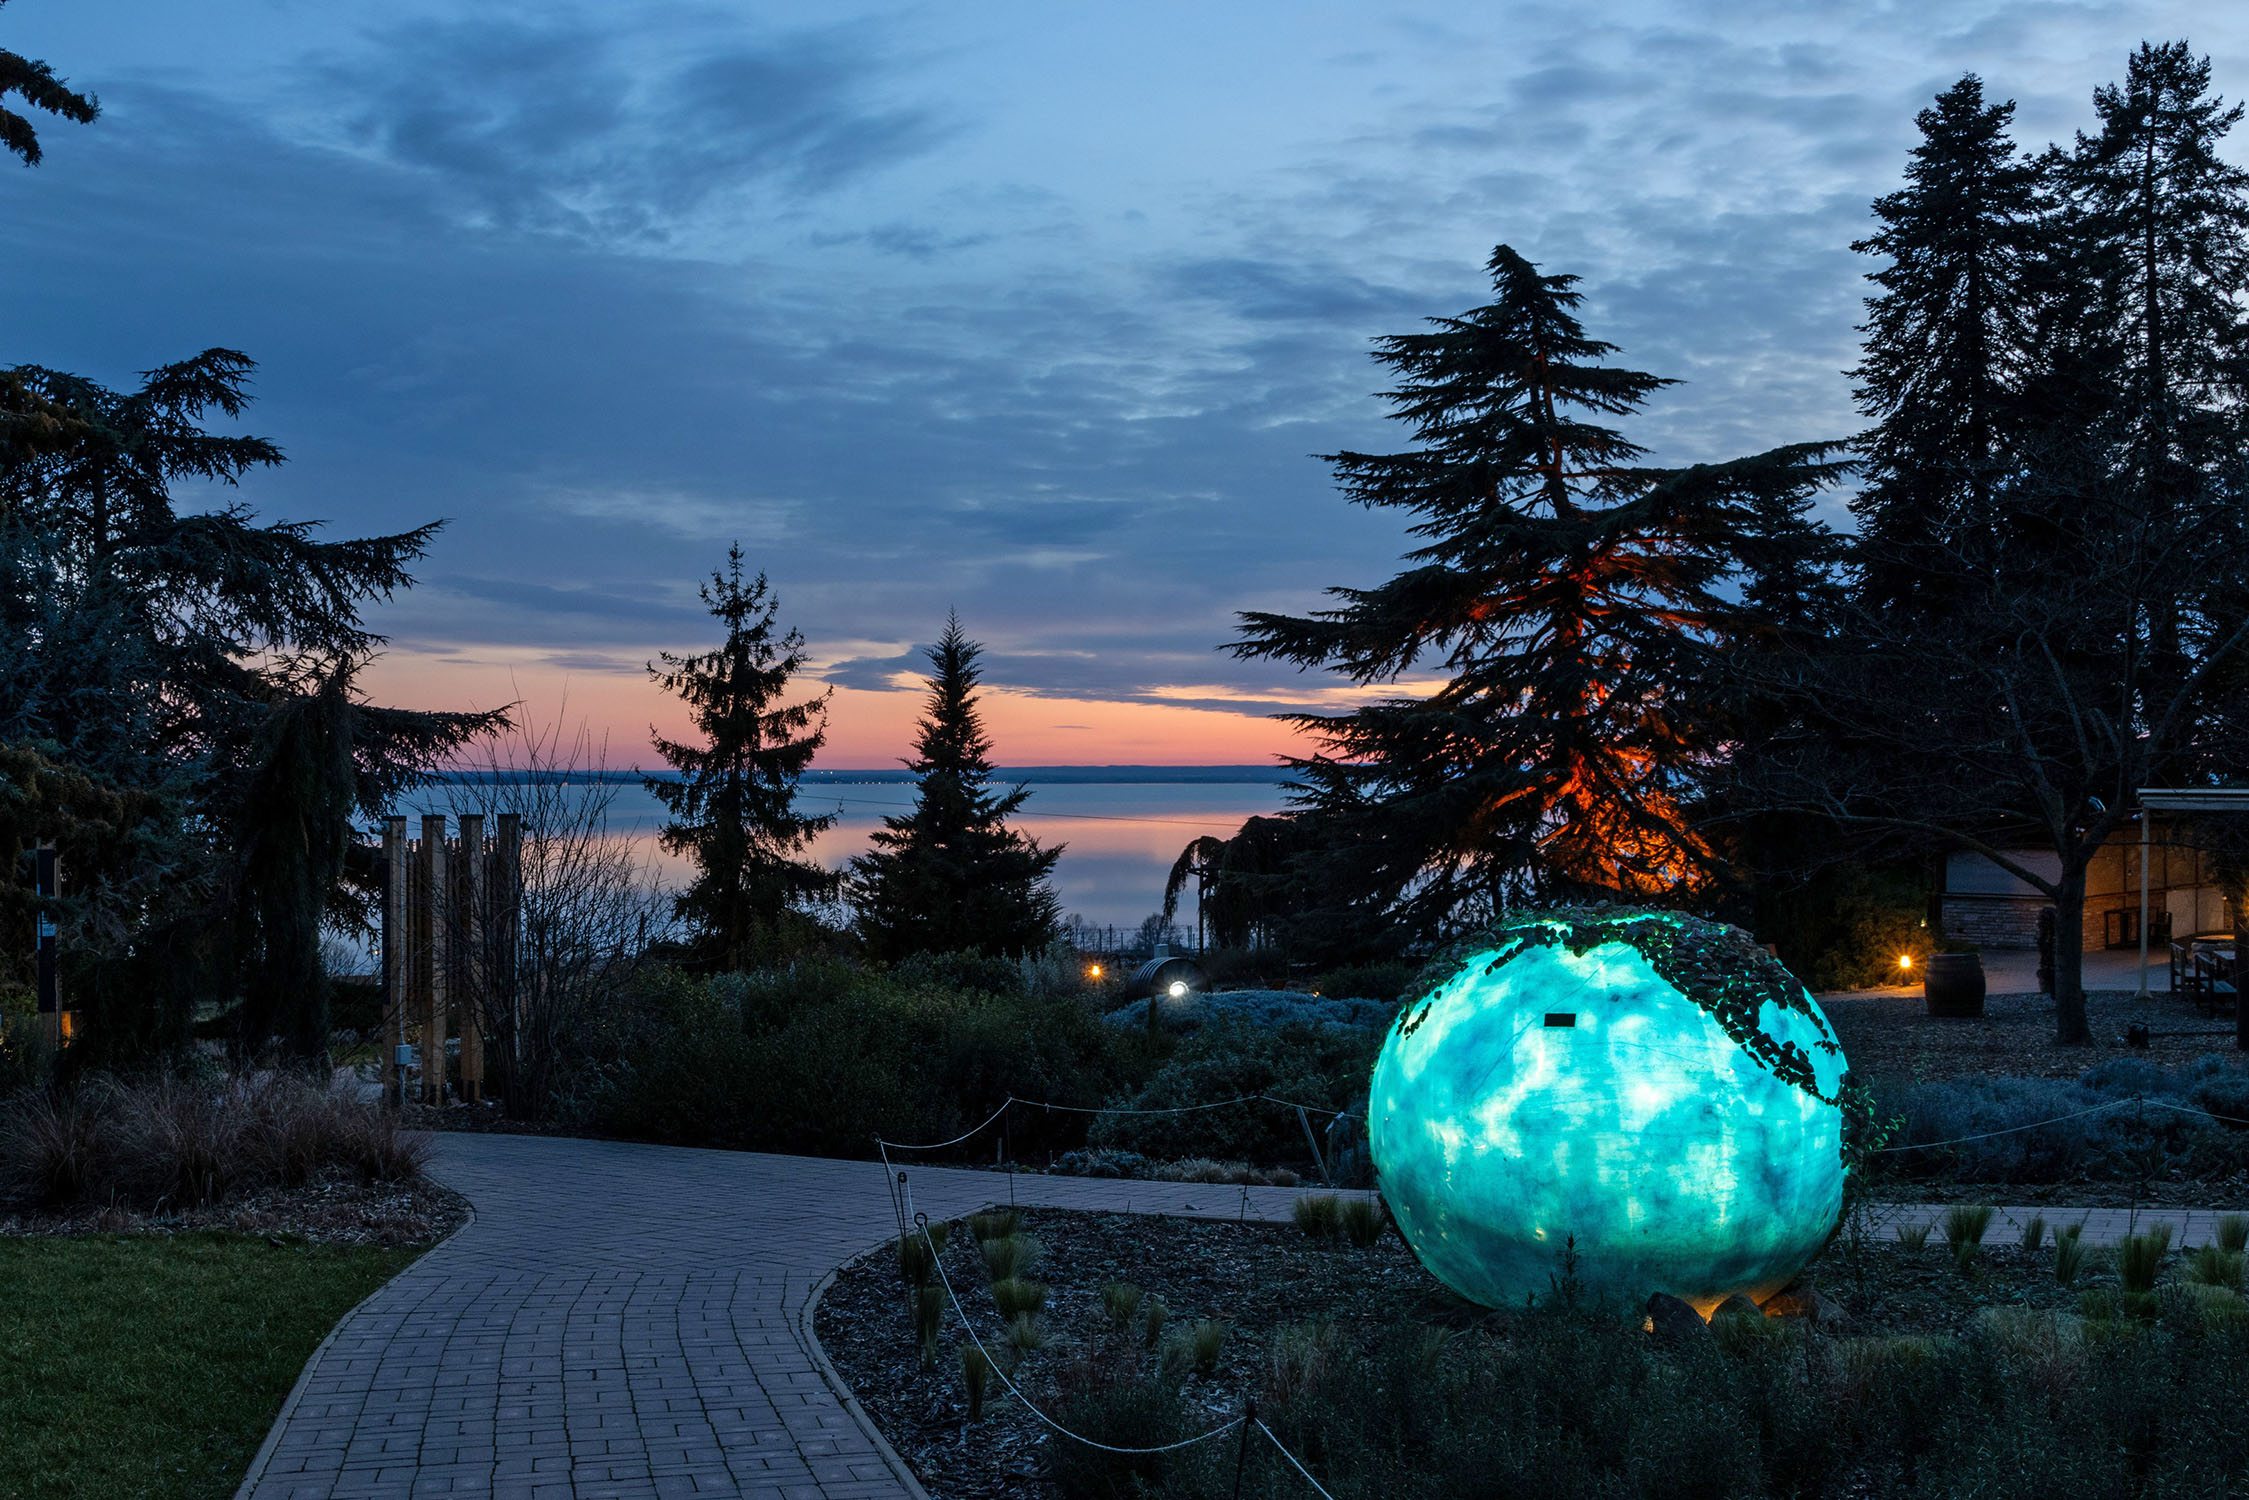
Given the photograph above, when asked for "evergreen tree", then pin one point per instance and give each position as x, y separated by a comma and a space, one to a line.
1572, 596
733, 803
36, 84
1947, 352
951, 876
158, 655
2159, 221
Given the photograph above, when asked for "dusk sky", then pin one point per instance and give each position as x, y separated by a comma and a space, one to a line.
1034, 311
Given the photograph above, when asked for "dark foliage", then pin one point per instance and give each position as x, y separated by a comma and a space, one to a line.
951, 876
733, 803
35, 83
1572, 598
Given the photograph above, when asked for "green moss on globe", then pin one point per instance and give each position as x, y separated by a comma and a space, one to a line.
1650, 1089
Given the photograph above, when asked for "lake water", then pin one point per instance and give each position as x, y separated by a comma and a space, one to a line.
1119, 838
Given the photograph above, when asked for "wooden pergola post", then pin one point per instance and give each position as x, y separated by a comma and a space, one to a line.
469, 929
394, 957
434, 957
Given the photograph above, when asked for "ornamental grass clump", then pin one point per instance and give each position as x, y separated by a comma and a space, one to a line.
2212, 1266
2140, 1258
1153, 1311
918, 1252
998, 1224
1025, 1333
1017, 1296
2034, 1233
1009, 1256
929, 1317
1202, 1345
2069, 1254
1965, 1225
2233, 1233
1914, 1237
1363, 1221
976, 1377
1121, 1301
1319, 1215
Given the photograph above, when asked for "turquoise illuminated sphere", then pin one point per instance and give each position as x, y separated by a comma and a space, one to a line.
1653, 1086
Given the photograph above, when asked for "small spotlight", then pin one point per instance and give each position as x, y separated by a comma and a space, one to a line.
1178, 990
1094, 972
1905, 962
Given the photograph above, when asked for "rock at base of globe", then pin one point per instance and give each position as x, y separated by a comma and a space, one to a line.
1624, 1101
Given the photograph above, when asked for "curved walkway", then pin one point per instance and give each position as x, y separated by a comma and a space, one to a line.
623, 1320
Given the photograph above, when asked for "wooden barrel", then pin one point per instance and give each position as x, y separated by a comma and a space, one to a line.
1953, 985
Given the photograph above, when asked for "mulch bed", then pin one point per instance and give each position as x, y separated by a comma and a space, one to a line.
1259, 1278
331, 1210
1892, 1036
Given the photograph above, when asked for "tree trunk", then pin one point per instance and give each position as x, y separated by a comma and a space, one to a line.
2070, 1028
2240, 989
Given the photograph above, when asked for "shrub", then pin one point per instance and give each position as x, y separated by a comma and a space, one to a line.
974, 973
1323, 1066
1303, 1361
1319, 1215
172, 1143
1364, 1219
1125, 1402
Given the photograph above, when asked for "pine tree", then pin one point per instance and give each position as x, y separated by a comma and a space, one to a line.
1947, 354
951, 876
1572, 597
2160, 223
36, 84
733, 803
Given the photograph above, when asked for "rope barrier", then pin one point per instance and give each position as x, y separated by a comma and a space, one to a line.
885, 1144
1293, 1462
1961, 1140
921, 1225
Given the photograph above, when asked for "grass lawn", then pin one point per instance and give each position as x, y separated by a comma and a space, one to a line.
152, 1366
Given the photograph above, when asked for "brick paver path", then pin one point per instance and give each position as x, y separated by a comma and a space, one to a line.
626, 1320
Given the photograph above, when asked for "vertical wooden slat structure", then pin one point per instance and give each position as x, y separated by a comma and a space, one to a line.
449, 920
432, 968
473, 888
394, 953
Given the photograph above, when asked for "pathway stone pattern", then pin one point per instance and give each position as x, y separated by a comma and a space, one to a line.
626, 1321
631, 1321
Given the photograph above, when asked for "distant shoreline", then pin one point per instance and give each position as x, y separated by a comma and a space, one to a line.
1006, 775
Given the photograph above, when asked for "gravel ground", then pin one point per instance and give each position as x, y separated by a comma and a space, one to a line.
331, 1210
1261, 1278
1893, 1036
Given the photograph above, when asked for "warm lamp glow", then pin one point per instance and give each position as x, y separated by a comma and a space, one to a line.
1905, 962
1093, 972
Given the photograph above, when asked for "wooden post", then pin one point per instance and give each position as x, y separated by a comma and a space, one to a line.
470, 967
394, 957
505, 929
434, 958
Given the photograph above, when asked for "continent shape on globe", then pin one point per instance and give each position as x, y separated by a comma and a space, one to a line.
1638, 1101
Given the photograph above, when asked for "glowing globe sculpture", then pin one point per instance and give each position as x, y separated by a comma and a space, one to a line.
1651, 1090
